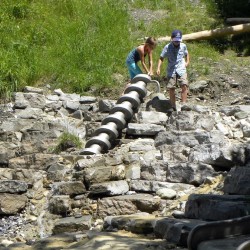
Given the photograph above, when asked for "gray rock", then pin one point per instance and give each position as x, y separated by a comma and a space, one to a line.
13, 186
166, 193
103, 173
110, 188
142, 145
128, 204
237, 181
153, 186
29, 113
143, 129
198, 86
35, 100
189, 173
152, 117
71, 105
216, 207
12, 203
230, 110
59, 204
140, 223
71, 224
33, 90
175, 230
68, 188
87, 99
106, 105
19, 101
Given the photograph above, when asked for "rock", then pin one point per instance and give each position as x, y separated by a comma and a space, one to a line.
128, 204
237, 181
216, 207
175, 230
166, 193
143, 129
71, 224
157, 152
152, 117
59, 204
141, 223
106, 105
68, 188
12, 186
110, 188
189, 173
12, 203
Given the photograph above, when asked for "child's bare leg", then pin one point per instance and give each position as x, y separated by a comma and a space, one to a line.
172, 97
184, 92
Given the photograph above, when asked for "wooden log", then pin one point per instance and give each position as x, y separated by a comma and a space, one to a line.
210, 34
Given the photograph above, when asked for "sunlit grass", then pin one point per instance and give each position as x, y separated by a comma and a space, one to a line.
79, 45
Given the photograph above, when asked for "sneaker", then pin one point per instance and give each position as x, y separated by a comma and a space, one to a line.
178, 107
174, 108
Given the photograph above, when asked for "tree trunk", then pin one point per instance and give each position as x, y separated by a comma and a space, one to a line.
210, 34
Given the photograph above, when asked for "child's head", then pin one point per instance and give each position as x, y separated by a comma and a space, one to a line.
176, 37
151, 42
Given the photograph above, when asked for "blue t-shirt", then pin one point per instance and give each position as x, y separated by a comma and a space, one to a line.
133, 57
176, 58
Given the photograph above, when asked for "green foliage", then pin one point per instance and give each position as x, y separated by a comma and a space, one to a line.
233, 8
79, 45
74, 44
65, 141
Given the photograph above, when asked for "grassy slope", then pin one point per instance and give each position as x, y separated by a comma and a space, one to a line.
79, 45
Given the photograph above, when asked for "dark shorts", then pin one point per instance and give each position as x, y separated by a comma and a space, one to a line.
175, 81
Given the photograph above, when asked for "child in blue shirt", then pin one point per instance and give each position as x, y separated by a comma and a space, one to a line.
178, 59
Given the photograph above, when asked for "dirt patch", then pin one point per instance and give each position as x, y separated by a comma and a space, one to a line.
147, 16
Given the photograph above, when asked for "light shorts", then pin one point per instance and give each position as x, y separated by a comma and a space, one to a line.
176, 80
133, 70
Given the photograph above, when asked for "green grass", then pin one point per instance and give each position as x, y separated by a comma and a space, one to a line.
66, 139
73, 44
79, 46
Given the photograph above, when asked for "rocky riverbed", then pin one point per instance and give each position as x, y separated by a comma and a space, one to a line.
166, 173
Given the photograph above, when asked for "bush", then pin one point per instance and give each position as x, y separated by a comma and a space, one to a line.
65, 141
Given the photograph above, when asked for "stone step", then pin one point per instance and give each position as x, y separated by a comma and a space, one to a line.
209, 207
194, 234
173, 230
129, 204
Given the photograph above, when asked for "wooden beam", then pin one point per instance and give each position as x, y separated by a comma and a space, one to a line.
210, 34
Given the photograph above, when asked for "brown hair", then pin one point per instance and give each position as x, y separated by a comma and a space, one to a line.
151, 41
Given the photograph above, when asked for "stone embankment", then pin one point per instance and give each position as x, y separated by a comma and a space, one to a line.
169, 178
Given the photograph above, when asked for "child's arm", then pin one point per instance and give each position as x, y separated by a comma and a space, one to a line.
187, 59
150, 62
158, 72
